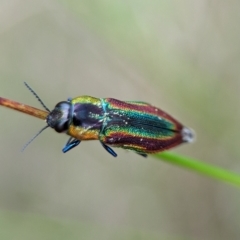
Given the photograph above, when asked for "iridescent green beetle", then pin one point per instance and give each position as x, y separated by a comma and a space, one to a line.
136, 126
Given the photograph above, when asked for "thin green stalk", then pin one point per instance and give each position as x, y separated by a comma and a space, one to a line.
200, 167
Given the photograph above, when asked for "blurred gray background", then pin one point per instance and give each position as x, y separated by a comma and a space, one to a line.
182, 56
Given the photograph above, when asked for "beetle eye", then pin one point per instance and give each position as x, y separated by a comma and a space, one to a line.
59, 117
62, 125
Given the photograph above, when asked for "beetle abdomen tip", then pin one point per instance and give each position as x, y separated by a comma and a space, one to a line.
188, 135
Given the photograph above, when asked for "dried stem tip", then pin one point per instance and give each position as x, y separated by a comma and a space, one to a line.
23, 108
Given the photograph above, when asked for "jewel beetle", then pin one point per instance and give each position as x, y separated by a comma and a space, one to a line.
132, 125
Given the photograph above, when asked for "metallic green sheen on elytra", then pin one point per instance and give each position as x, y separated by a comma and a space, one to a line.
132, 125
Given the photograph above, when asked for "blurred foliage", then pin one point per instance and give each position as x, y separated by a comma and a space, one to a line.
28, 226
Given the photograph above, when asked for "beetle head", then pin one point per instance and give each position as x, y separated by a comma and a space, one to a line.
59, 118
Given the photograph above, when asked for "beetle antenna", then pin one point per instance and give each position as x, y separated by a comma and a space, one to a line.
37, 97
34, 138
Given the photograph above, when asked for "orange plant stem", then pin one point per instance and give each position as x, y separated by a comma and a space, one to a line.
24, 108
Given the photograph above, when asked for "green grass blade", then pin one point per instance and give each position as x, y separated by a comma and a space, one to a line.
200, 167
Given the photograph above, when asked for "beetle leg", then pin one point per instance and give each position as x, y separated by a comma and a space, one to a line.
70, 144
142, 154
107, 148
